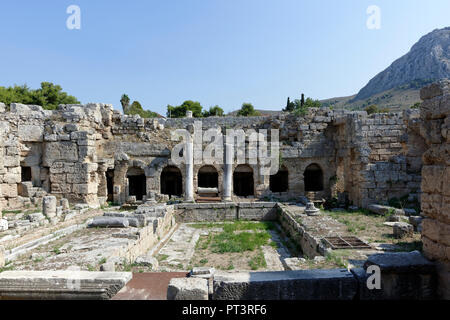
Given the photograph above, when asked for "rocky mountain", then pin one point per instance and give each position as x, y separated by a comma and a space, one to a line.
428, 59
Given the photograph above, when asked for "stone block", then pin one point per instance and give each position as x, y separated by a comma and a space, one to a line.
432, 177
384, 210
61, 285
436, 231
8, 190
147, 261
35, 217
187, 289
89, 188
31, 133
404, 275
59, 151
109, 222
402, 230
64, 203
49, 206
335, 284
3, 224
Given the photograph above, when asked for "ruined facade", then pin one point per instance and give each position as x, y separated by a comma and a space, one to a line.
435, 128
93, 154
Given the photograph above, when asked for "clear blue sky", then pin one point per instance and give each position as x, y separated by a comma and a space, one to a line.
223, 52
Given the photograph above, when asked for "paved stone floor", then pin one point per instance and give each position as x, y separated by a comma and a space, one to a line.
148, 286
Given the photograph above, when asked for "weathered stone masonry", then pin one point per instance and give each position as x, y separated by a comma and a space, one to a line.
91, 154
435, 128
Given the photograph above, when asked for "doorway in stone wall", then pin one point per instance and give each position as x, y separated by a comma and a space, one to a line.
171, 181
110, 184
137, 183
243, 183
279, 182
313, 178
208, 177
26, 175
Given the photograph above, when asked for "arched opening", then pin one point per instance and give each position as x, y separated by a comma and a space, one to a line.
313, 178
110, 184
26, 174
208, 177
243, 184
137, 183
279, 182
171, 181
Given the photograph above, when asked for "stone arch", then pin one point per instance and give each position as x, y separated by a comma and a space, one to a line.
243, 181
137, 182
313, 178
208, 177
171, 181
279, 182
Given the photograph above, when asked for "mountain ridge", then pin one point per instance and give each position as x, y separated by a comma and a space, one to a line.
428, 59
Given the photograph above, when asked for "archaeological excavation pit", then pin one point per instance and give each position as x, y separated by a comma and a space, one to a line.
112, 199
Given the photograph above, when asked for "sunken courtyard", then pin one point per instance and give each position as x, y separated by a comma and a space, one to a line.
92, 201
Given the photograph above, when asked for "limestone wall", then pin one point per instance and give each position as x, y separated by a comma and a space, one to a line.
435, 128
378, 156
366, 159
57, 147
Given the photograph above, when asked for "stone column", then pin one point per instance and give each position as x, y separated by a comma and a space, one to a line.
49, 206
227, 172
189, 159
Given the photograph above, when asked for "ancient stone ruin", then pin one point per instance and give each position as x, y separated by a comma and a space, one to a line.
89, 167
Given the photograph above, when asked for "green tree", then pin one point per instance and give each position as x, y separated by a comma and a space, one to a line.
215, 111
180, 111
372, 109
247, 110
125, 102
136, 108
310, 103
49, 96
301, 106
290, 106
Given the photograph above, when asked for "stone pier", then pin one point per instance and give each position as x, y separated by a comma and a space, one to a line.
228, 173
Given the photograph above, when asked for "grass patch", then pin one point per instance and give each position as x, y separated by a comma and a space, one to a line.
91, 268
162, 257
258, 261
246, 225
206, 225
245, 241
337, 257
6, 268
11, 211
